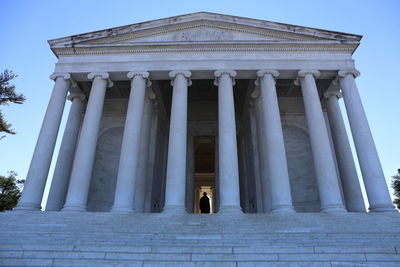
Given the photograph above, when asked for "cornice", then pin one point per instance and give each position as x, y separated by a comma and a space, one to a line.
205, 48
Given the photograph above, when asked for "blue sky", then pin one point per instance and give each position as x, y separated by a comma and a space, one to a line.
27, 25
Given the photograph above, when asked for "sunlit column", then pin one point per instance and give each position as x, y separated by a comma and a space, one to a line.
140, 187
39, 168
347, 169
62, 170
328, 184
374, 179
190, 174
176, 165
127, 170
228, 157
265, 186
78, 189
278, 174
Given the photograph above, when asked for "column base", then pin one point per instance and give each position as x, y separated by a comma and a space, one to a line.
74, 208
382, 208
230, 210
333, 209
27, 207
123, 209
174, 209
283, 209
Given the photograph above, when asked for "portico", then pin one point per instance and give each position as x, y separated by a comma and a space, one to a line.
265, 93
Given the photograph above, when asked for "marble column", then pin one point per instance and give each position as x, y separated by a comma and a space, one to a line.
328, 184
216, 173
62, 170
124, 199
228, 157
190, 174
78, 189
276, 155
347, 169
256, 165
262, 153
39, 168
374, 179
176, 164
140, 187
152, 165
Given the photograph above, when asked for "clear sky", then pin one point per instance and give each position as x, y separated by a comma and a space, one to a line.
27, 25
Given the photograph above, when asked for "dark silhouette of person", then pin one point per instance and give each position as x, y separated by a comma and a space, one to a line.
205, 204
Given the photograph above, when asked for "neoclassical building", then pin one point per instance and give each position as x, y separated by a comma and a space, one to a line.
243, 109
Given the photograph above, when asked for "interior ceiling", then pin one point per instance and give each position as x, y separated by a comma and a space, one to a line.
206, 91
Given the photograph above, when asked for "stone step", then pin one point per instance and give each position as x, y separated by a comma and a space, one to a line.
107, 239
182, 256
202, 249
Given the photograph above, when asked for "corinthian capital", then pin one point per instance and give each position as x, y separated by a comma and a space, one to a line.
219, 73
187, 74
64, 75
342, 73
303, 73
144, 74
262, 73
103, 75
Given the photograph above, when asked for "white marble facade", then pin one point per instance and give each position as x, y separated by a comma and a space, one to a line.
246, 108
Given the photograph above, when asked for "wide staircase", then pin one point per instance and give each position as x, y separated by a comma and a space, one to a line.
109, 239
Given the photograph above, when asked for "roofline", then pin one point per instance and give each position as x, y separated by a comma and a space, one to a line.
296, 28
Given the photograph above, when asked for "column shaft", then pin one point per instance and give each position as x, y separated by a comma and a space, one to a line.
190, 174
140, 190
152, 166
62, 170
228, 157
256, 165
39, 168
176, 165
347, 169
276, 155
262, 157
124, 199
216, 174
328, 185
78, 189
374, 179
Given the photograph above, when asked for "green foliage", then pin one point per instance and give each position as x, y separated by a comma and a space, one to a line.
10, 191
8, 95
396, 187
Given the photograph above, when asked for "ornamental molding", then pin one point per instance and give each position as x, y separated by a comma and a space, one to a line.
64, 75
102, 75
303, 73
179, 48
218, 74
261, 74
143, 74
185, 73
342, 73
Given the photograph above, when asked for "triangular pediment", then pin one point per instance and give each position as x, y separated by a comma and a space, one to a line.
203, 31
203, 28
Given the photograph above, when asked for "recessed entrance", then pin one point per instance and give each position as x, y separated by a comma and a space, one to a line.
204, 177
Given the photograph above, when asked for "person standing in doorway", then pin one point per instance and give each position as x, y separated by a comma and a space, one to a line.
205, 203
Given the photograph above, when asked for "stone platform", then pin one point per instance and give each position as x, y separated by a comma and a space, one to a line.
109, 239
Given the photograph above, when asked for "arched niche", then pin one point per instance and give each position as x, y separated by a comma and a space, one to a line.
105, 170
302, 177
